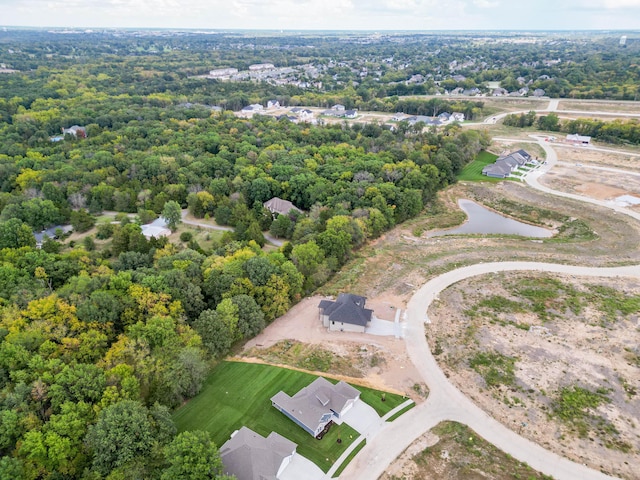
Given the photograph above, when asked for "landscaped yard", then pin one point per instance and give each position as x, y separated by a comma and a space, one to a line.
473, 171
237, 394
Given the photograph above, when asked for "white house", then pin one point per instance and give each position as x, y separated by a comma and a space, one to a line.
579, 139
273, 104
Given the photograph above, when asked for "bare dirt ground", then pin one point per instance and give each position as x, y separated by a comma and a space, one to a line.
595, 157
624, 107
391, 369
587, 349
598, 184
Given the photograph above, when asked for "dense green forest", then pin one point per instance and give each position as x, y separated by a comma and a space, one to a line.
101, 338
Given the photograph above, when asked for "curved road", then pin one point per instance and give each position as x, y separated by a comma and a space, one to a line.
445, 401
270, 238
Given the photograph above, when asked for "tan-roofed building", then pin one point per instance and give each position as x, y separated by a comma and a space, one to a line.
250, 456
278, 206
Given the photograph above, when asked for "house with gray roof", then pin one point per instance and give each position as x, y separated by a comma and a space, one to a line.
346, 314
506, 164
51, 233
250, 456
497, 170
318, 405
278, 206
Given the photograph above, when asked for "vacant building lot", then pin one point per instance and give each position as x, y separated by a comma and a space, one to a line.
556, 358
452, 451
593, 183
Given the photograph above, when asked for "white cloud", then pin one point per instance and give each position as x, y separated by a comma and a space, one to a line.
621, 4
323, 14
486, 3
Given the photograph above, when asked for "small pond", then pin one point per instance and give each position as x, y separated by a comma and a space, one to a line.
483, 221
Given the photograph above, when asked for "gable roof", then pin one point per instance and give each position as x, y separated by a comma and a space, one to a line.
498, 169
278, 205
578, 138
250, 456
316, 403
347, 308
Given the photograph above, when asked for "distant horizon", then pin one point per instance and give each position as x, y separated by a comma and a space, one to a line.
314, 30
326, 15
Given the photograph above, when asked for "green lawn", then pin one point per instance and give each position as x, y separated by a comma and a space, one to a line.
237, 394
473, 171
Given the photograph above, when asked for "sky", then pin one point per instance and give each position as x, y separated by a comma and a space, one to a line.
326, 14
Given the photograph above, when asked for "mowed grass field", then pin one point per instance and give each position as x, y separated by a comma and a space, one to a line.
238, 394
473, 171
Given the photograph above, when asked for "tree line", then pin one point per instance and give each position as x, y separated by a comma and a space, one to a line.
614, 131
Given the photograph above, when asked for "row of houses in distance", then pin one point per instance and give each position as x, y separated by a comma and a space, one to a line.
297, 114
304, 114
444, 118
506, 164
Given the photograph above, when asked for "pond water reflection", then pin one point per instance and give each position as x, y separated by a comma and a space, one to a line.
483, 221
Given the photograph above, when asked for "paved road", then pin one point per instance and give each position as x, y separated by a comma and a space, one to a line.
445, 401
185, 212
267, 236
552, 159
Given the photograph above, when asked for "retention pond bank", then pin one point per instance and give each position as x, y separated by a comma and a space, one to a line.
481, 220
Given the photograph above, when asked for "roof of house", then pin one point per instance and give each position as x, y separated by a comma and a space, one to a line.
518, 158
578, 138
524, 154
74, 129
278, 205
311, 405
156, 231
250, 456
253, 106
498, 169
51, 232
347, 308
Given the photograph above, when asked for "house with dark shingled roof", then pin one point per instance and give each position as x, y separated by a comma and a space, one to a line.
346, 314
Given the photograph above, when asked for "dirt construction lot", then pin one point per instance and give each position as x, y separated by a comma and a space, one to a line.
595, 157
376, 361
556, 358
